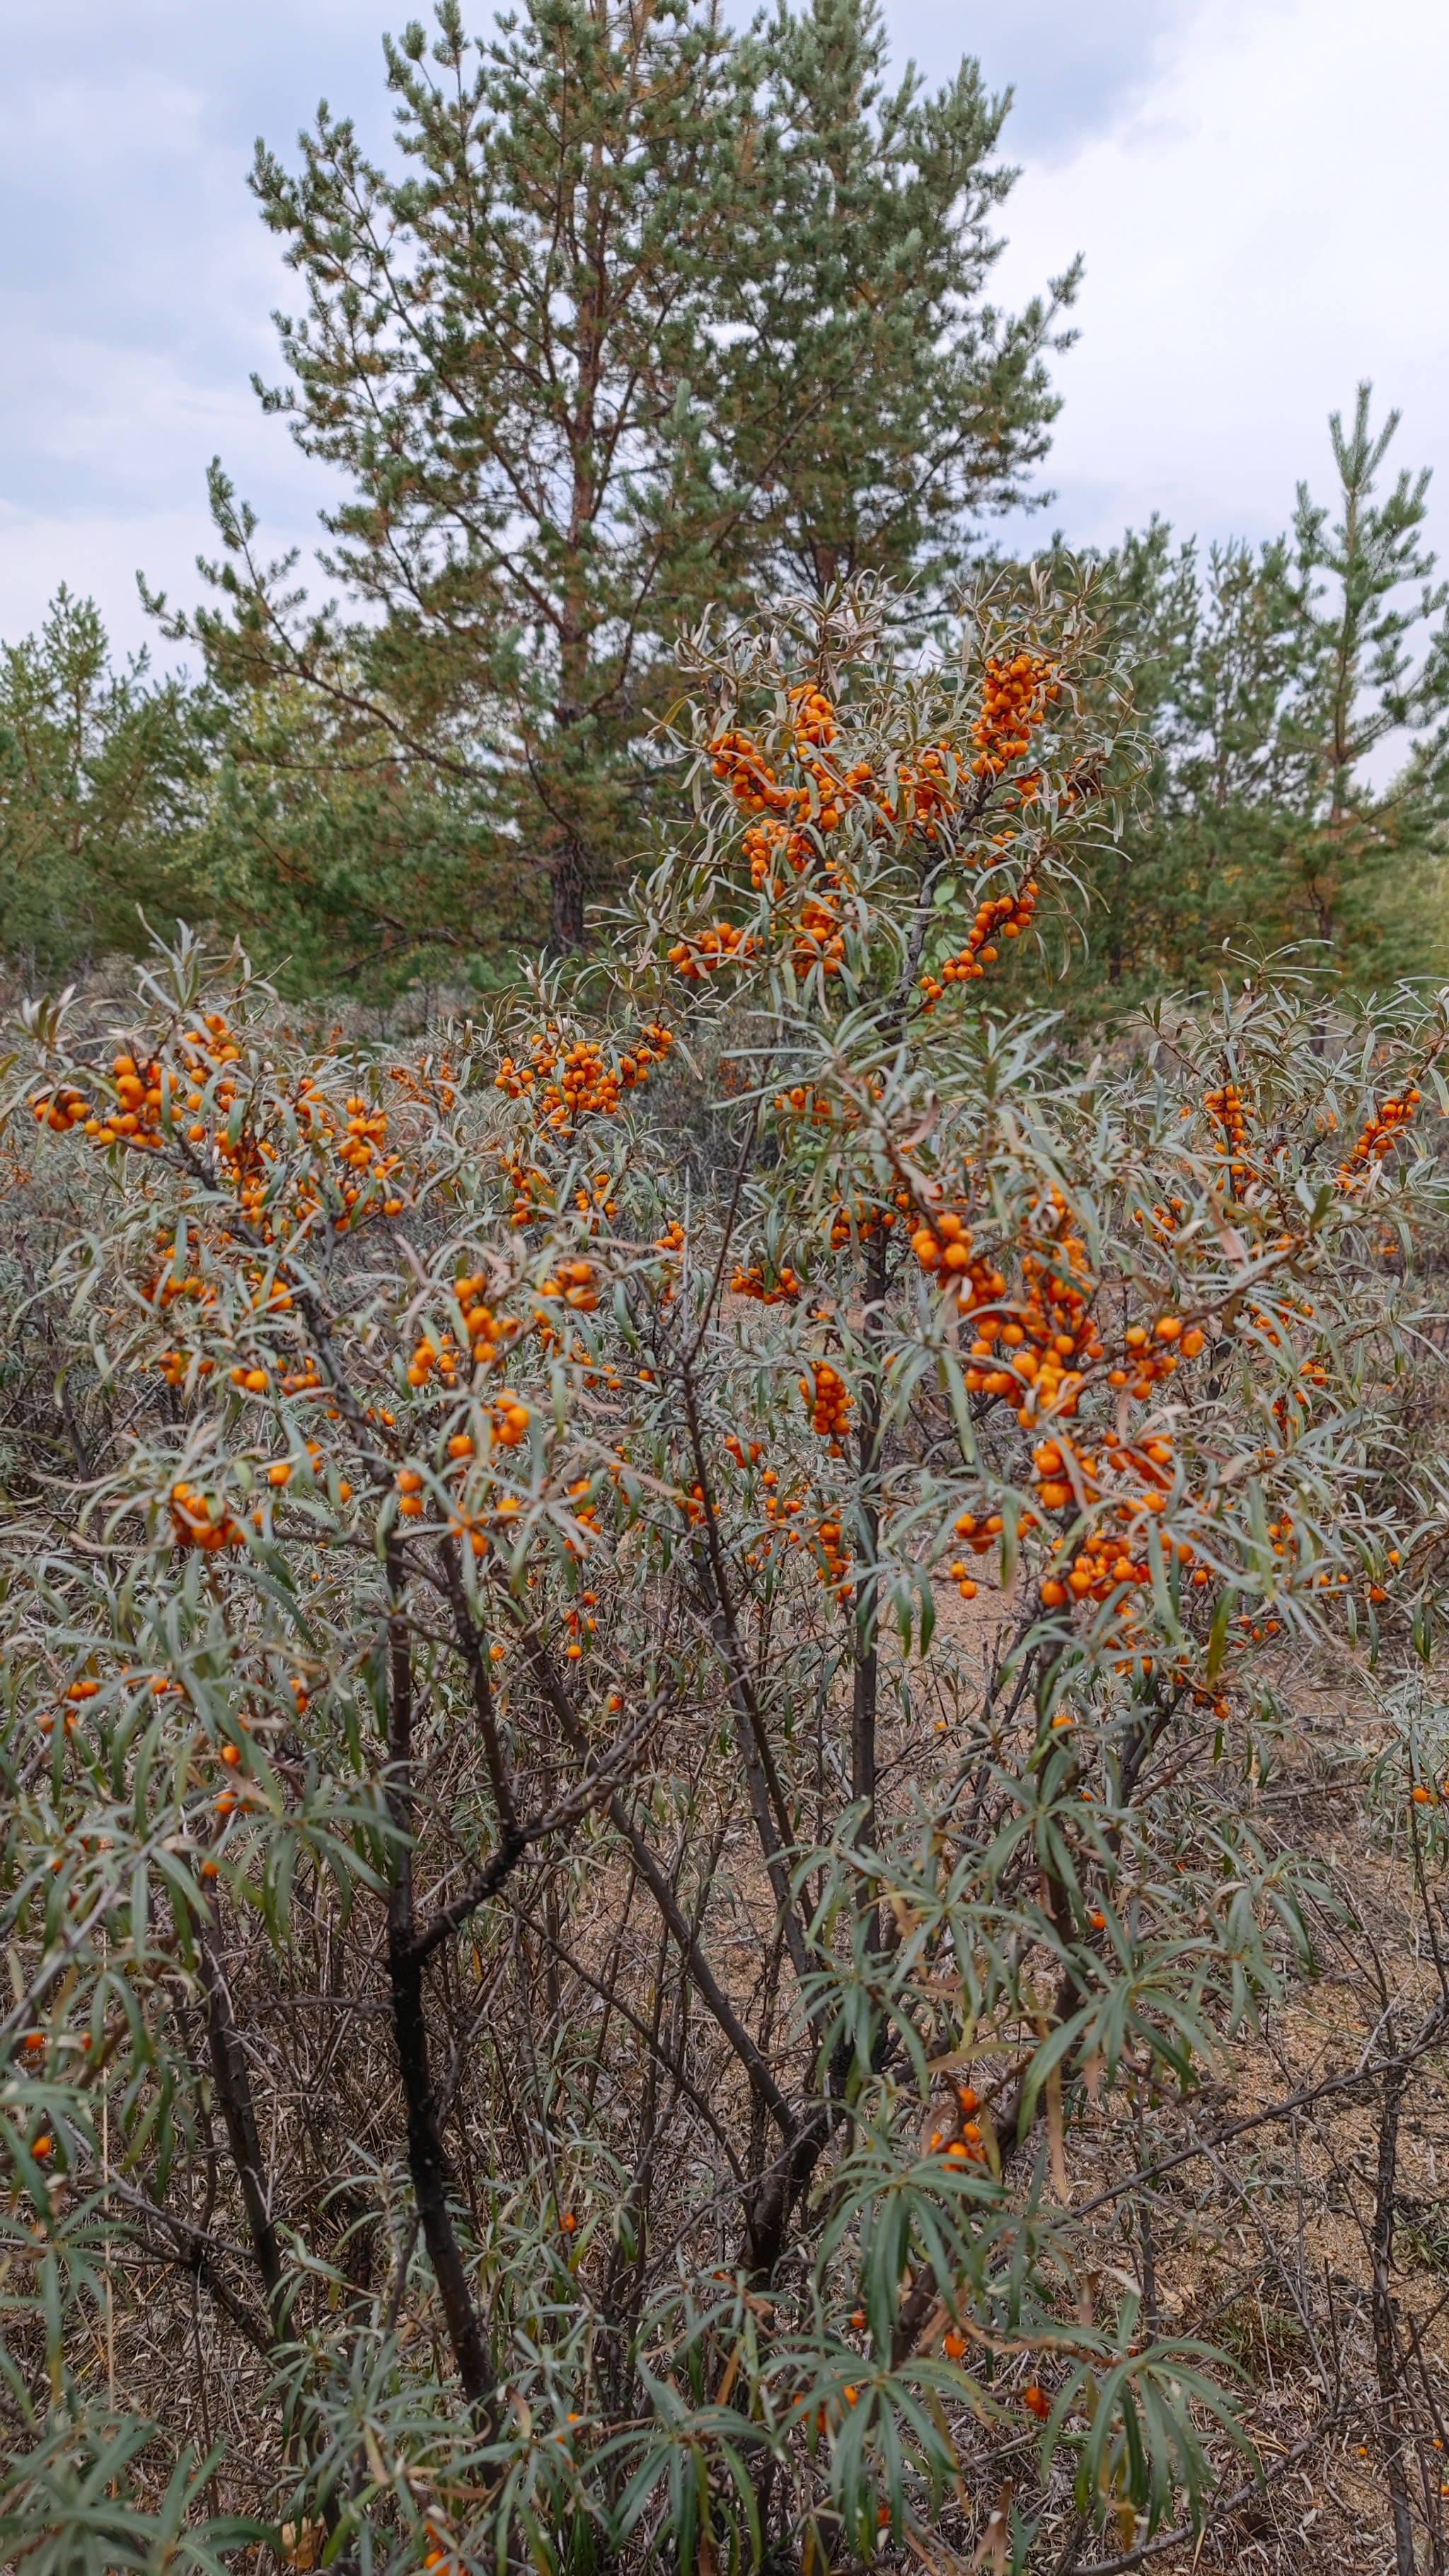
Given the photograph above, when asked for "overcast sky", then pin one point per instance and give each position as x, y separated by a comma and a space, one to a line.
1260, 189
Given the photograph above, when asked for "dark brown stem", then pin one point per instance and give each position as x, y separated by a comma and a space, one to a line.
427, 2162
706, 1983
762, 1779
234, 2096
473, 1649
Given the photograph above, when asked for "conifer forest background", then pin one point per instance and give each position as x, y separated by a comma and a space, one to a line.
724, 1767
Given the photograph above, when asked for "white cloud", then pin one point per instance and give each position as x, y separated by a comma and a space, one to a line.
1262, 230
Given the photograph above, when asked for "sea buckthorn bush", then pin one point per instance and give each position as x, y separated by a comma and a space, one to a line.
632, 1754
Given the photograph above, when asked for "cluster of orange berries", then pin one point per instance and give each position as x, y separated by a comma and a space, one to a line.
981, 1536
834, 1563
1149, 1461
586, 1514
1226, 1109
925, 791
1005, 916
967, 2146
764, 843
744, 1455
175, 1366
1163, 1219
603, 1204
74, 1697
518, 1079
737, 761
1252, 1632
752, 1283
531, 1191
1026, 1357
827, 1401
739, 764
1031, 1375
369, 1171
280, 1472
1382, 1131
172, 1281
201, 1521
511, 1418
1104, 1563
943, 1242
707, 950
672, 1239
487, 1336
781, 1520
857, 1223
164, 1288
61, 1109
581, 1625
430, 1355
362, 1153
1014, 700
804, 1102
588, 1085
575, 1282
819, 941
143, 1087
814, 715
1145, 1364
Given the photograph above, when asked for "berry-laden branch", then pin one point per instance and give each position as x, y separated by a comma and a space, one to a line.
764, 1558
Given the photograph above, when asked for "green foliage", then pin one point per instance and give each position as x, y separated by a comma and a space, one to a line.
352, 861
868, 404
68, 2508
1275, 683
102, 785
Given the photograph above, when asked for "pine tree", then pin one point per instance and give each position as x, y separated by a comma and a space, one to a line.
349, 855
872, 402
1363, 684
102, 794
650, 312
1272, 681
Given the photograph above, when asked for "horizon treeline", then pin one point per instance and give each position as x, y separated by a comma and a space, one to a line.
650, 320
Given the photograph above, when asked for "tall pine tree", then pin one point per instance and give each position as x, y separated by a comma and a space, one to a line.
646, 317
